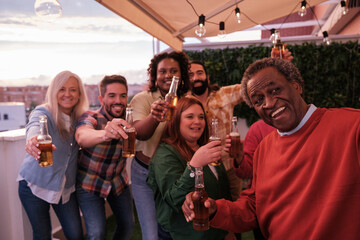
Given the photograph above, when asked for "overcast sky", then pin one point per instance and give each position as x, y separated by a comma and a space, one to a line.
88, 39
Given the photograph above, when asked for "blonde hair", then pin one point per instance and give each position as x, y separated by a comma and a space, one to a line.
52, 104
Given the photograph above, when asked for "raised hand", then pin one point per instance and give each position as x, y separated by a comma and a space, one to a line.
206, 154
32, 145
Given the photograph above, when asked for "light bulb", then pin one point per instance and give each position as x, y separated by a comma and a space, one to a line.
344, 9
222, 33
326, 38
302, 11
272, 35
238, 15
48, 9
200, 30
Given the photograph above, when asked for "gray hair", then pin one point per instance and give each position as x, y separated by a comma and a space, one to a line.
284, 67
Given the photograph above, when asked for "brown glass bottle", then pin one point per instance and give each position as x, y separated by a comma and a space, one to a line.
129, 143
279, 46
45, 144
171, 99
235, 139
214, 136
201, 220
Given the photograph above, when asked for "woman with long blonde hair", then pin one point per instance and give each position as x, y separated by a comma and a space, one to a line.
40, 187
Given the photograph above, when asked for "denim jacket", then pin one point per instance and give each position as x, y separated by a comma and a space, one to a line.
65, 156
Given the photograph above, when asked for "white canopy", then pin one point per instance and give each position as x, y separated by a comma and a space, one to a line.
172, 20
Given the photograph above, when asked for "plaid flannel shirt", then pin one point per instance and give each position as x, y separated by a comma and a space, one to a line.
101, 168
220, 105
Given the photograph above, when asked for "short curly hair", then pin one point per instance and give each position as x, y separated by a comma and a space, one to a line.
183, 61
284, 67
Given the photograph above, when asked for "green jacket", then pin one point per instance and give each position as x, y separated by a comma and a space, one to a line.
170, 180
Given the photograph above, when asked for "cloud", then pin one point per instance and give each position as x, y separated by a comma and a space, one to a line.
88, 39
70, 29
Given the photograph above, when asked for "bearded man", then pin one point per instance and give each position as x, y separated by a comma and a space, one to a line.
101, 168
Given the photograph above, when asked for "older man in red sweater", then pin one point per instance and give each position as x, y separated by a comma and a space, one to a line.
306, 179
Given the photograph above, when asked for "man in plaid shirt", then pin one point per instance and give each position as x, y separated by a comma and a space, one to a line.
101, 167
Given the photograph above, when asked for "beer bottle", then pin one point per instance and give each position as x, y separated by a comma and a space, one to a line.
279, 46
171, 99
201, 220
129, 143
214, 136
45, 144
235, 139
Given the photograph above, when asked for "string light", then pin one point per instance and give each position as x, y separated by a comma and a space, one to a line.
201, 30
344, 8
326, 38
302, 11
222, 33
237, 14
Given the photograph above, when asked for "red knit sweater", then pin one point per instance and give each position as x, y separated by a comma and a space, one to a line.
254, 136
306, 185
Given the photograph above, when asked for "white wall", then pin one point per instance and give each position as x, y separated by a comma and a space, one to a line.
14, 224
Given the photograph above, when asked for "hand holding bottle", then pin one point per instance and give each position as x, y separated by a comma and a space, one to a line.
206, 154
32, 145
114, 129
286, 54
237, 152
158, 109
171, 99
188, 207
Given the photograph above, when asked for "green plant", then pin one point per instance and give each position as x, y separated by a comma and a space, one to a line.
331, 73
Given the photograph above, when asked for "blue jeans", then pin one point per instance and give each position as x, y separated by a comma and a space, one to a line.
93, 209
38, 212
144, 202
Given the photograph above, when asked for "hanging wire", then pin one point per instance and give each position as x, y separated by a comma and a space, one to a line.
251, 20
317, 20
289, 15
192, 7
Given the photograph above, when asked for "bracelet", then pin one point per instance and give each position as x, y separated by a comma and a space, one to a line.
192, 172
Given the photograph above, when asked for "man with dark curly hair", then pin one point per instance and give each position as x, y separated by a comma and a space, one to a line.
148, 110
306, 177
